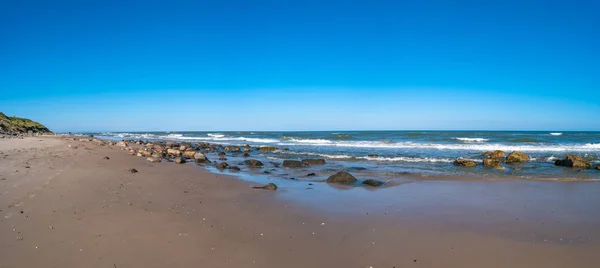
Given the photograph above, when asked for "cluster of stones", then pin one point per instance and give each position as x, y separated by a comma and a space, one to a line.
496, 158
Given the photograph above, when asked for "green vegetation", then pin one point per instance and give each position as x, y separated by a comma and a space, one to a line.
13, 124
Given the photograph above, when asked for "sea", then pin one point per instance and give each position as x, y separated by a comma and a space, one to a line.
396, 156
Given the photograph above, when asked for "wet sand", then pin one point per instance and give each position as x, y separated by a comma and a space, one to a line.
66, 206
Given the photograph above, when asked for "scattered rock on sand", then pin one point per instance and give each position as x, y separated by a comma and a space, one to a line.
270, 186
493, 163
153, 159
464, 163
495, 154
516, 157
106, 158
200, 158
341, 177
372, 182
294, 164
573, 161
179, 160
122, 144
314, 162
133, 170
253, 163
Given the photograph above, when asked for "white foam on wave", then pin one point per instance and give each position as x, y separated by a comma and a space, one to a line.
331, 156
556, 133
313, 141
215, 135
471, 139
408, 159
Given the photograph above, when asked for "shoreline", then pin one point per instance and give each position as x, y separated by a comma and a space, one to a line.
80, 209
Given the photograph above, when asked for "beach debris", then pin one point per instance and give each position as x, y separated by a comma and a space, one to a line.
341, 177
495, 154
573, 161
179, 160
253, 163
106, 158
133, 170
493, 163
464, 163
516, 157
294, 164
153, 159
314, 162
372, 182
270, 186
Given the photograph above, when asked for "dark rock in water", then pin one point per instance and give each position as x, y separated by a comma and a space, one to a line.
275, 164
373, 155
341, 177
201, 161
516, 158
246, 148
266, 172
253, 163
493, 163
286, 149
179, 160
598, 167
311, 174
294, 164
267, 149
356, 168
222, 166
374, 183
517, 168
246, 155
573, 161
222, 154
314, 162
495, 154
234, 168
464, 163
106, 158
223, 158
133, 170
270, 186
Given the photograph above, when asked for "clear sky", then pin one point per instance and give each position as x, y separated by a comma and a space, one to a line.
301, 65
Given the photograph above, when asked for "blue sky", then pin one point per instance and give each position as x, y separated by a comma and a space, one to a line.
301, 65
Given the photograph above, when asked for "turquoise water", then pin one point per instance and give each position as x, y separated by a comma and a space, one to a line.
389, 155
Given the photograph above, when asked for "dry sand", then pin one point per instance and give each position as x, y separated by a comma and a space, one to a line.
63, 206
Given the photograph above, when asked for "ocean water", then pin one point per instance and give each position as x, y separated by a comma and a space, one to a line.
394, 155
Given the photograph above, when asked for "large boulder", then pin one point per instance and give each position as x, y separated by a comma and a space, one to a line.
341, 177
465, 163
267, 149
174, 152
200, 156
492, 163
189, 153
495, 154
314, 162
573, 161
516, 157
294, 164
253, 163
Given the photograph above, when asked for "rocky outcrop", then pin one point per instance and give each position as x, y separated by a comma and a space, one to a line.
12, 125
492, 163
314, 162
253, 163
516, 157
372, 182
294, 164
464, 163
573, 161
341, 177
495, 154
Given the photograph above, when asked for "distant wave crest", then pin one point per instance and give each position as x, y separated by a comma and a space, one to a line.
472, 139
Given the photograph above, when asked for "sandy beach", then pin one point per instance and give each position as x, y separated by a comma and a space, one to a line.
63, 204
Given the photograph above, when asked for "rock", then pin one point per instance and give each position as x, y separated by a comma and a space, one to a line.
222, 166
173, 152
573, 161
223, 158
373, 155
189, 154
311, 174
493, 163
157, 155
294, 164
270, 186
201, 161
495, 154
246, 155
145, 153
598, 167
267, 149
171, 144
234, 168
183, 148
246, 148
153, 159
133, 170
222, 154
356, 168
314, 162
341, 177
106, 158
372, 182
516, 158
464, 163
253, 163
179, 160
122, 144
